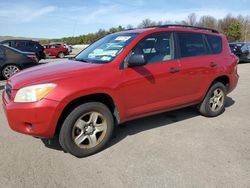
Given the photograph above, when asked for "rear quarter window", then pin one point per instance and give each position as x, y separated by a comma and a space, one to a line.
215, 43
191, 44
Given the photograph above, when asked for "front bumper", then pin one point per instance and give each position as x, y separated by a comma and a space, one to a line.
37, 119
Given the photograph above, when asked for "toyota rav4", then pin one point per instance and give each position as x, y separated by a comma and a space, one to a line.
123, 76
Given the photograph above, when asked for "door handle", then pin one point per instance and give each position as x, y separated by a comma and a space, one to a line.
174, 70
213, 64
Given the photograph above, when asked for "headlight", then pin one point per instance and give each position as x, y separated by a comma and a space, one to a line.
33, 93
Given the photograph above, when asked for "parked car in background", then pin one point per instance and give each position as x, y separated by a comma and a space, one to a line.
242, 50
69, 47
26, 46
123, 76
56, 50
13, 60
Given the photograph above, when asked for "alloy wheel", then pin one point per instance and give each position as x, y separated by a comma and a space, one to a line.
89, 130
10, 70
216, 100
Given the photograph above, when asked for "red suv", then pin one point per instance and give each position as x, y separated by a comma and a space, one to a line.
56, 50
121, 77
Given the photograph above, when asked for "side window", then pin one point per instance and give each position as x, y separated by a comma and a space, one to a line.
19, 44
156, 48
191, 44
30, 44
215, 43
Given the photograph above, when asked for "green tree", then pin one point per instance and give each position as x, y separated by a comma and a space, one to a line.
234, 32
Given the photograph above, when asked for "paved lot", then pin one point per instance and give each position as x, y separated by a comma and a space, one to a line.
175, 149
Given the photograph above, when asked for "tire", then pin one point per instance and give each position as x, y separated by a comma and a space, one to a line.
9, 70
214, 102
61, 55
87, 129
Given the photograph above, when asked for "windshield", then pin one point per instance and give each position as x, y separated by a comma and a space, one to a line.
106, 49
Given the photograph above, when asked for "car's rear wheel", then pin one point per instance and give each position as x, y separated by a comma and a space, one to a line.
214, 102
9, 70
61, 55
87, 129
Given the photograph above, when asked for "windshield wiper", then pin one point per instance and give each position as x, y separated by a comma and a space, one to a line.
83, 60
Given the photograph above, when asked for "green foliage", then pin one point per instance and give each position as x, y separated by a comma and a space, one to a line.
234, 32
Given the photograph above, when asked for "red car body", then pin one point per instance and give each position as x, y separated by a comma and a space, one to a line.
55, 50
135, 92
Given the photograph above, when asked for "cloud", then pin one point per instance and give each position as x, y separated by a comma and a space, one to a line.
23, 13
131, 3
39, 13
116, 15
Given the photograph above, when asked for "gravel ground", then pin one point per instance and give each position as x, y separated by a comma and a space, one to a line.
174, 149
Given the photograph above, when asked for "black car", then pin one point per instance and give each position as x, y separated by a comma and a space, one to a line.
26, 46
13, 60
242, 50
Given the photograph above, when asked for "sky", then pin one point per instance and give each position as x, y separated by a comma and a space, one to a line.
63, 18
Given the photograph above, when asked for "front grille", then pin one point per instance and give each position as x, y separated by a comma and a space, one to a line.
8, 90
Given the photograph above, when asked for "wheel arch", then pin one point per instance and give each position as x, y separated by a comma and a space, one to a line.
98, 97
224, 79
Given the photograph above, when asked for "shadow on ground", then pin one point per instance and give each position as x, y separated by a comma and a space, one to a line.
143, 124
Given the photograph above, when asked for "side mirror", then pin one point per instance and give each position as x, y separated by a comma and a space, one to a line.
136, 60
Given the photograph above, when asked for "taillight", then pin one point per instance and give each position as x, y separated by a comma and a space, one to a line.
33, 57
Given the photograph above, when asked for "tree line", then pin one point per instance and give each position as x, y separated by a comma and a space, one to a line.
236, 28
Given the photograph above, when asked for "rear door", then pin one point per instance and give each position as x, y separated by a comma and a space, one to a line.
52, 50
56, 50
196, 65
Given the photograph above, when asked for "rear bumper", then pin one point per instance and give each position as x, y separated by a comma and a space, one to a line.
233, 82
37, 119
41, 55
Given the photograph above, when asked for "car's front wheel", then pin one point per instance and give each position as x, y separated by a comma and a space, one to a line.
87, 129
214, 102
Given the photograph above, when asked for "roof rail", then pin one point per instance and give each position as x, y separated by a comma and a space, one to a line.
187, 26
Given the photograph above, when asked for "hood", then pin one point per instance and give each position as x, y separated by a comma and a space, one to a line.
50, 72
